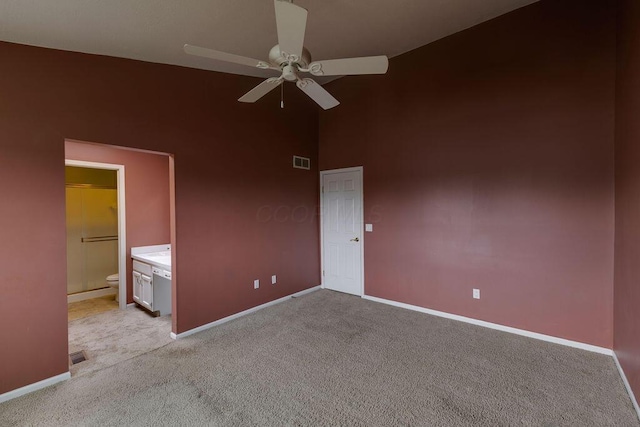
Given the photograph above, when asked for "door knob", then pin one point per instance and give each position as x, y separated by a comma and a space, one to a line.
355, 239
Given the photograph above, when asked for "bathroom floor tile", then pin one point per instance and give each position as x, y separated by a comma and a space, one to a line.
91, 307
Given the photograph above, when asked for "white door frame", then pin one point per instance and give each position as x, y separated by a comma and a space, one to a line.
359, 169
122, 225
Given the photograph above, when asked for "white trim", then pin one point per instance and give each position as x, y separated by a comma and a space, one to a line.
97, 293
359, 169
626, 384
496, 326
122, 222
242, 313
33, 387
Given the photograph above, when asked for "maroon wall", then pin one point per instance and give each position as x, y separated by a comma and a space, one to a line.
627, 252
488, 163
146, 195
231, 159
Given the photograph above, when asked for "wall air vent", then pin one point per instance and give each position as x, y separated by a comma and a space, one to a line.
301, 162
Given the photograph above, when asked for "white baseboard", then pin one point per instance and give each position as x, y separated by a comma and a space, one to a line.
33, 387
496, 326
242, 313
626, 384
81, 296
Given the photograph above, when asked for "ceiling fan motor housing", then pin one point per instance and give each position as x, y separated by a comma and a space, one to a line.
289, 73
280, 59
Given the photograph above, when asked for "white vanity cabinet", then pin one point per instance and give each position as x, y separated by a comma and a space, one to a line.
152, 287
147, 292
143, 284
137, 286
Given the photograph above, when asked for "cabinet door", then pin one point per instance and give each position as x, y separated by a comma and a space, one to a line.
147, 292
137, 287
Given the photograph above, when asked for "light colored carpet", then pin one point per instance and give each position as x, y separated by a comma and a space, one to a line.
333, 359
114, 336
91, 307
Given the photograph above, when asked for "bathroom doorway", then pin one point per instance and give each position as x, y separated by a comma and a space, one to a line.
96, 232
105, 338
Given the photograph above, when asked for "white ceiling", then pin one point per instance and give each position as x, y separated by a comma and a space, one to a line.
155, 30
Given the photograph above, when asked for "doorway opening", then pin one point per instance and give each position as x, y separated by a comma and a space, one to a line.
96, 231
115, 221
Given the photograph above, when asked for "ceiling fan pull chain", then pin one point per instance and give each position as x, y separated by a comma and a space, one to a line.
282, 95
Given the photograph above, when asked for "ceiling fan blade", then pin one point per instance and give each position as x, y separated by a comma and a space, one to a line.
350, 66
317, 93
292, 24
223, 56
261, 90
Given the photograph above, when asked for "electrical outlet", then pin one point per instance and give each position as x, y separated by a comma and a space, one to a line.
273, 279
476, 294
256, 284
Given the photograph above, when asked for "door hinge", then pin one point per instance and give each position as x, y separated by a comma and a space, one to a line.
323, 272
322, 188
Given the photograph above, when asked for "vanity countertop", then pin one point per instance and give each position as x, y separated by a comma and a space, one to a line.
158, 256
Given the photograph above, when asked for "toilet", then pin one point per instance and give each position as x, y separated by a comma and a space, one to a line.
113, 282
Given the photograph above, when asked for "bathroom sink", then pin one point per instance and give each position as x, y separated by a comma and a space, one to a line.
166, 260
164, 254
158, 255
159, 258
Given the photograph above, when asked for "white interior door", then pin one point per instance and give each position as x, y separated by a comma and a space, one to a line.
342, 231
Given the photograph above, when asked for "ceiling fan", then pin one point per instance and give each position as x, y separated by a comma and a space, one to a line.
290, 58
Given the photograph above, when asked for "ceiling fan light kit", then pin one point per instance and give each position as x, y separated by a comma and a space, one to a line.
290, 58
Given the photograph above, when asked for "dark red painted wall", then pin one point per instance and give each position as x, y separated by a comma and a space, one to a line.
627, 252
488, 163
146, 195
231, 160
